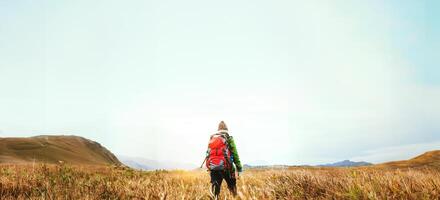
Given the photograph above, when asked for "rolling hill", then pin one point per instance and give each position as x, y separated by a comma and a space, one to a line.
55, 149
428, 159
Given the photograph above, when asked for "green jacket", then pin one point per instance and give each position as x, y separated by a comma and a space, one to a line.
234, 153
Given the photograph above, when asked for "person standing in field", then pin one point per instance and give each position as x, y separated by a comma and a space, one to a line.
222, 161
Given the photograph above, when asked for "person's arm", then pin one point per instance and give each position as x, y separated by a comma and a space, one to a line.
235, 154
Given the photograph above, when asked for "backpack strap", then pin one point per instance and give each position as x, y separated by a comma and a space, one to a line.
222, 131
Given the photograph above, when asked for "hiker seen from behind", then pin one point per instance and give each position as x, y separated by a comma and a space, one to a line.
222, 161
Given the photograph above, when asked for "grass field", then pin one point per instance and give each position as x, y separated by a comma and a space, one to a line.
91, 182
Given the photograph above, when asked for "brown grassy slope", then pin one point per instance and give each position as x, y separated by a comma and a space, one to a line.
430, 159
52, 149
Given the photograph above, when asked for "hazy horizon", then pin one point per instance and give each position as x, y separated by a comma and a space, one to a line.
296, 82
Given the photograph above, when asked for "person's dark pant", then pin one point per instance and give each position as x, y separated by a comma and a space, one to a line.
217, 178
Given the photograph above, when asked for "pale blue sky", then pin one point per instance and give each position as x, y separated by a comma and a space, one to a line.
297, 82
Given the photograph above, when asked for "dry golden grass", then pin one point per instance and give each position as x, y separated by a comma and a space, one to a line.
91, 182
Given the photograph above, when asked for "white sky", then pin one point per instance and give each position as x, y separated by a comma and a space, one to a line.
297, 82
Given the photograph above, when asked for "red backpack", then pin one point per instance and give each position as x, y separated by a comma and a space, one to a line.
218, 155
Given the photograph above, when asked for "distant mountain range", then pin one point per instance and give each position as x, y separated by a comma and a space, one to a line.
55, 149
430, 159
247, 166
147, 164
346, 163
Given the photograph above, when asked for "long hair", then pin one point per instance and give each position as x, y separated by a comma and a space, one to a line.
222, 126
